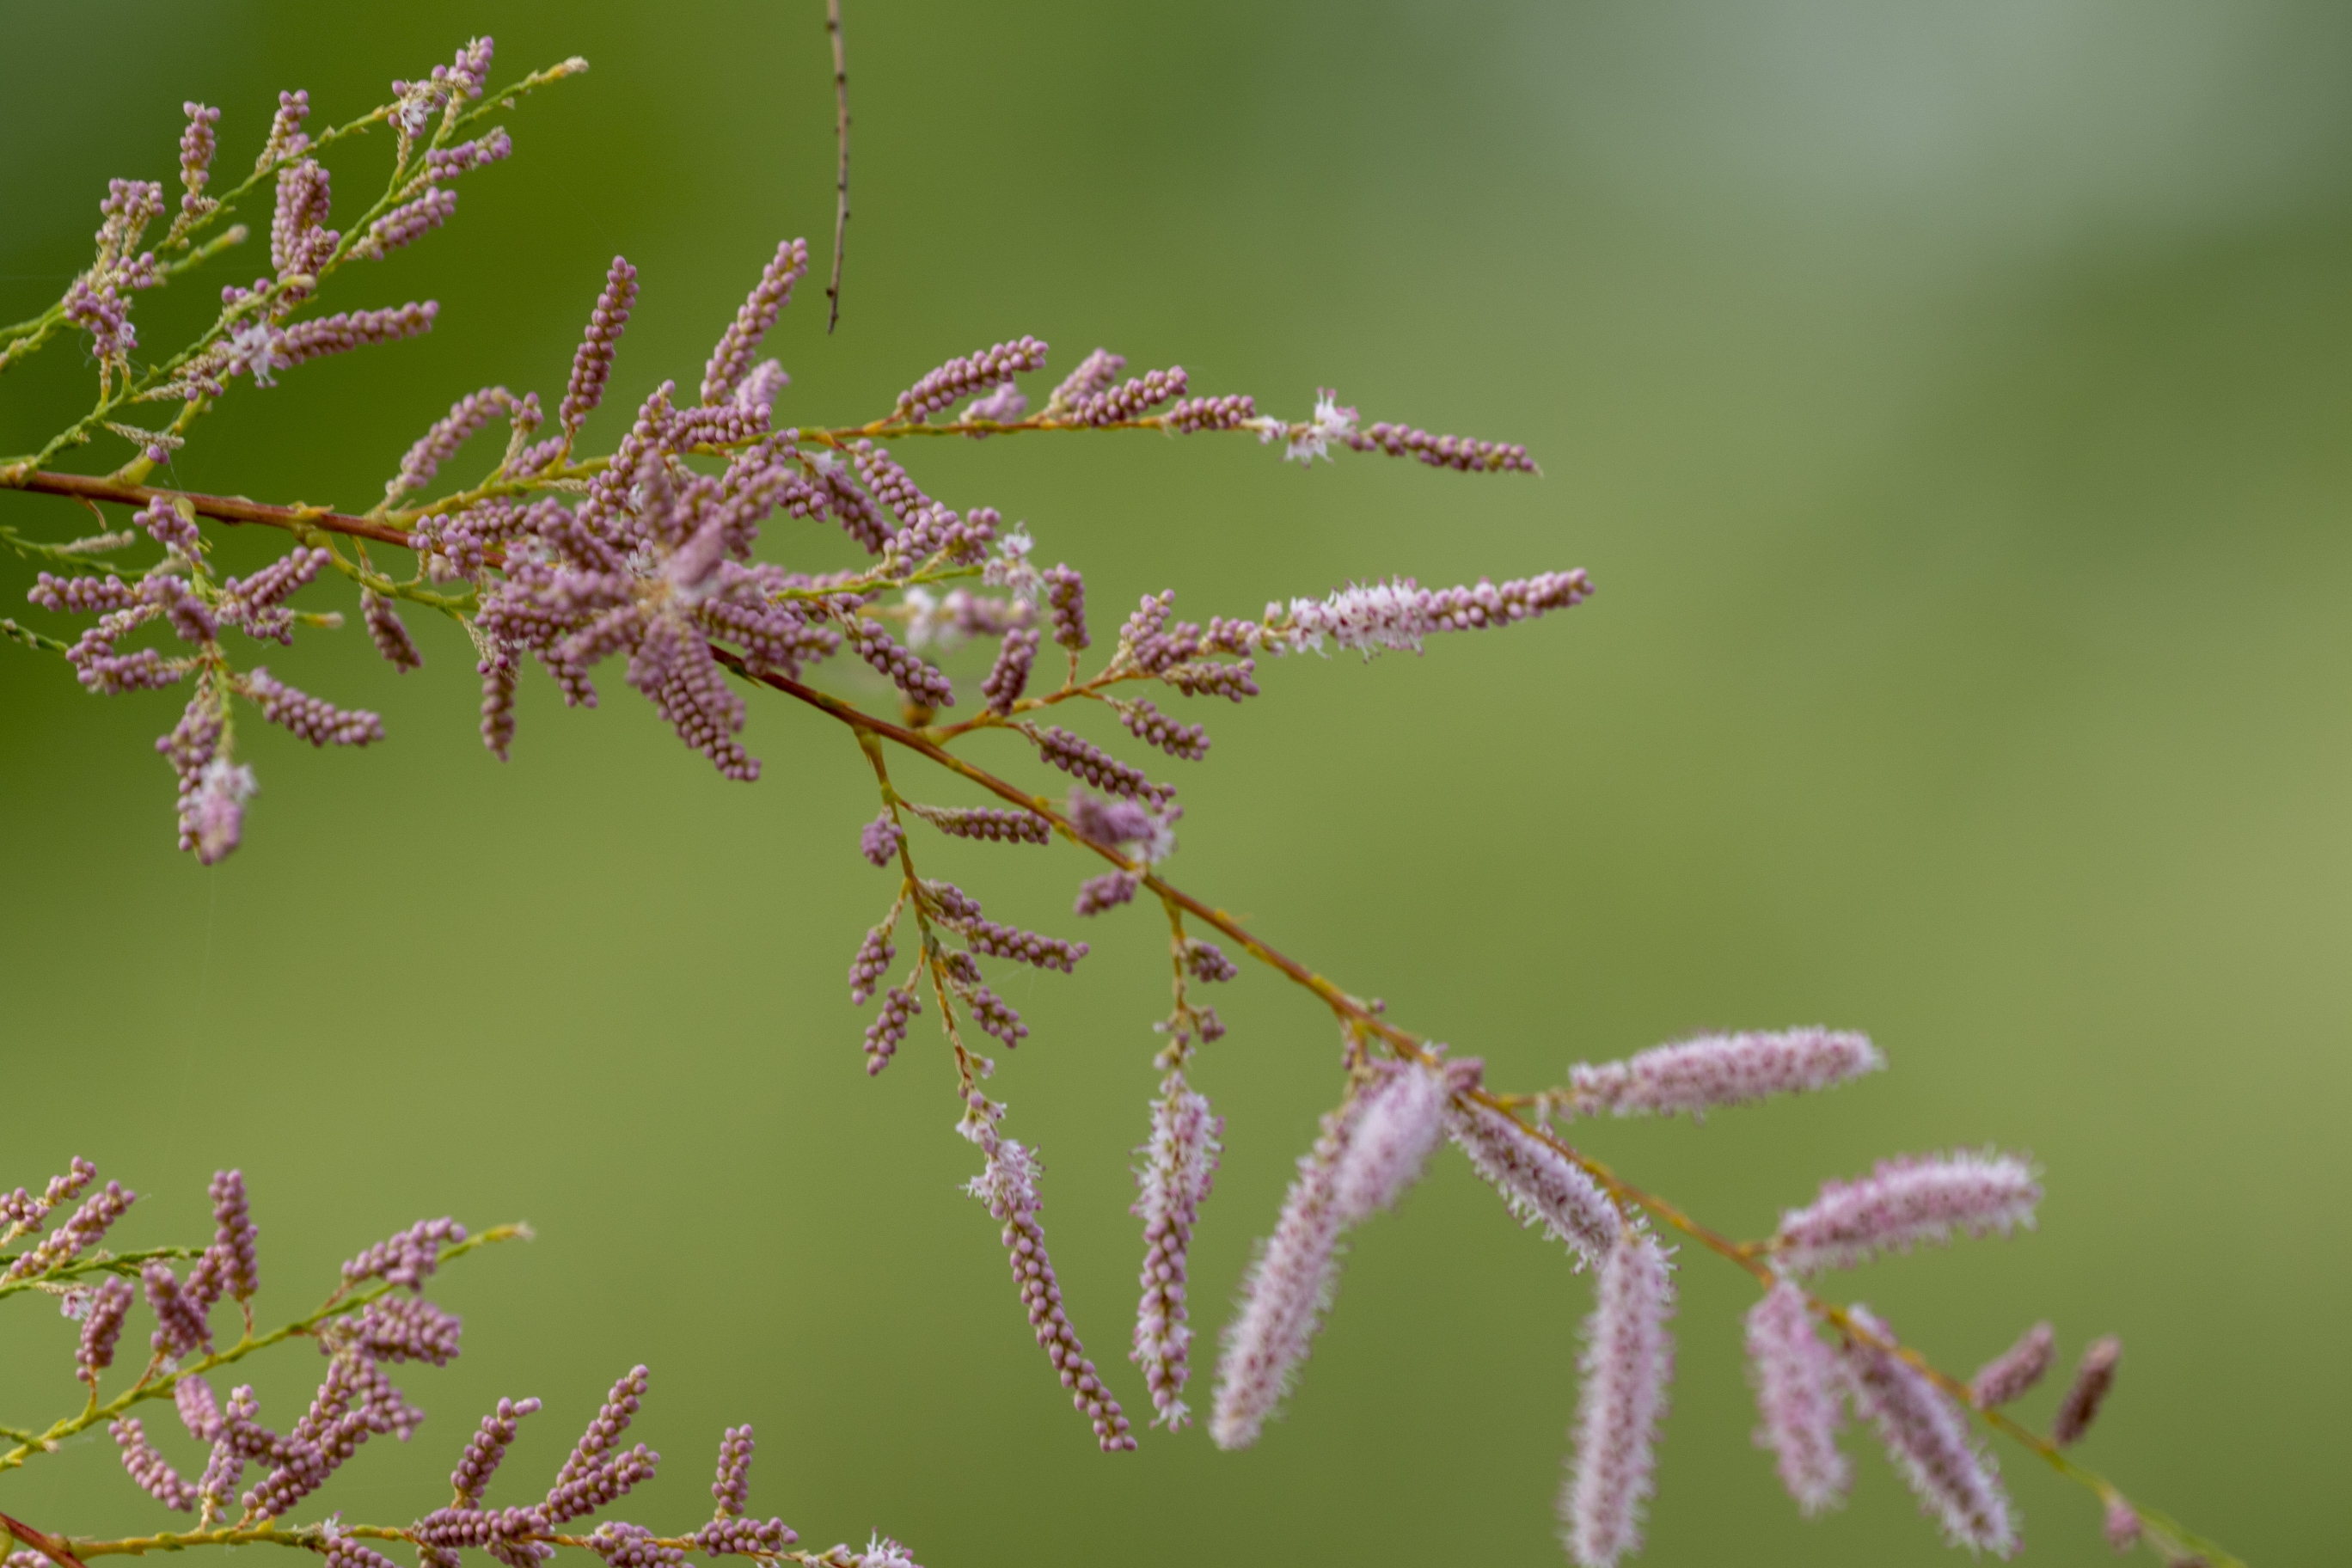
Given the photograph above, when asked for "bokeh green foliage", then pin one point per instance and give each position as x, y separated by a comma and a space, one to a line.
1950, 406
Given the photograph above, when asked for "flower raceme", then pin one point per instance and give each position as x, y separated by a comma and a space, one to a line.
685, 551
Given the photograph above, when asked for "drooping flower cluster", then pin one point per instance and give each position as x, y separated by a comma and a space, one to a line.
1180, 1162
1905, 1203
1629, 1360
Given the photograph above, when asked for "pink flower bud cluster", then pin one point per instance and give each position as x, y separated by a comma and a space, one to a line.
906, 670
883, 1036
1722, 1069
987, 823
1927, 1436
1372, 1149
1130, 400
1903, 1202
1107, 891
196, 146
879, 839
2093, 1376
318, 721
1009, 676
1442, 451
388, 631
102, 1326
2009, 1375
1196, 414
1188, 742
732, 356
1082, 759
1800, 1393
24, 1212
1398, 615
1540, 1185
961, 377
592, 365
153, 1472
407, 1259
1096, 375
1629, 1360
1066, 598
1180, 1162
440, 443
88, 1226
1008, 1186
407, 223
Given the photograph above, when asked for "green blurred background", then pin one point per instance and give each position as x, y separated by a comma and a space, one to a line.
1950, 404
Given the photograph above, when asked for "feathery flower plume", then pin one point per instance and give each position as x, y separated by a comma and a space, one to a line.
592, 365
1066, 598
767, 300
2008, 1375
1107, 891
88, 1226
1009, 676
1629, 1360
959, 378
1008, 1186
879, 839
1288, 1292
1398, 1125
153, 1472
2094, 1375
1180, 1162
1905, 1202
102, 1326
388, 631
1722, 1069
1375, 616
1799, 1396
1928, 1438
1540, 1184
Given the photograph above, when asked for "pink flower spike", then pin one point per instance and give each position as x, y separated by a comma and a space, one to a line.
1905, 1202
1399, 1125
1179, 1161
2017, 1369
1928, 1438
2093, 1377
1540, 1184
1287, 1292
1799, 1396
1723, 1069
1009, 1187
1629, 1360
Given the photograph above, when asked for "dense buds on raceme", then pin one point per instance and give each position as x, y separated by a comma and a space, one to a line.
386, 630
773, 291
592, 365
1629, 1360
1722, 1069
102, 1326
1009, 676
1906, 1201
2093, 1377
1180, 1160
2017, 1369
1288, 1292
321, 723
1009, 1187
1397, 1125
1928, 1437
879, 840
1800, 1396
960, 378
1540, 1184
149, 1468
1107, 891
1066, 598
